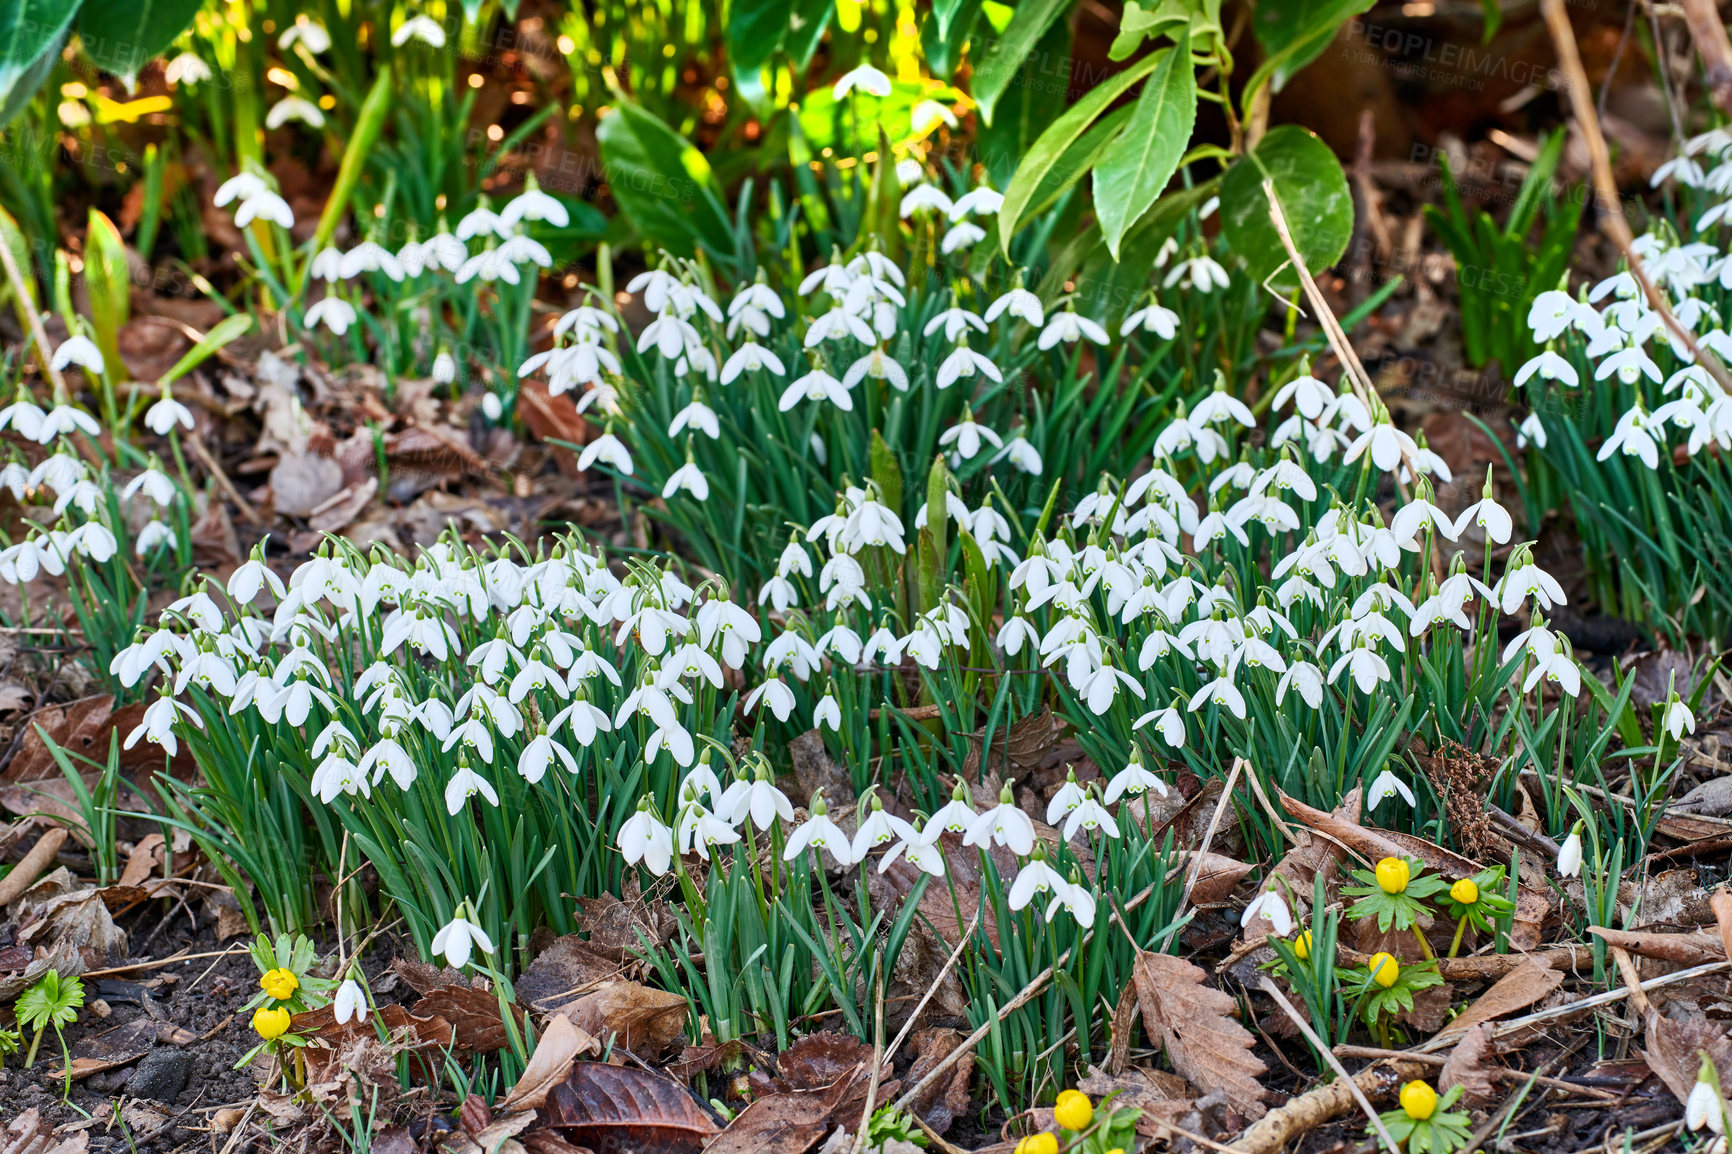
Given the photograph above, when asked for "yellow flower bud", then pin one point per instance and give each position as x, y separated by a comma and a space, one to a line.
1302, 945
1419, 1100
1042, 1143
1465, 892
270, 1023
1073, 1110
1384, 969
280, 984
1392, 874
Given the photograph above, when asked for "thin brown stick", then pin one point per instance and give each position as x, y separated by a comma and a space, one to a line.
877, 1071
1304, 1027
1209, 834
221, 478
158, 964
1611, 210
25, 873
961, 944
1708, 33
1437, 1060
27, 306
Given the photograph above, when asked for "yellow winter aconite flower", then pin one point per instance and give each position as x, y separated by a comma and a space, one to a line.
1302, 945
280, 984
270, 1023
1042, 1143
1392, 875
1465, 891
1073, 1110
1384, 969
1419, 1100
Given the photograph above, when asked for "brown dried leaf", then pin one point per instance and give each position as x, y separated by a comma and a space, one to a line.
645, 1021
820, 1060
474, 1017
1675, 1046
1194, 1024
1216, 879
555, 1051
563, 972
111, 1048
1025, 744
1516, 990
301, 482
622, 1107
1466, 1067
1155, 1092
80, 921
946, 1099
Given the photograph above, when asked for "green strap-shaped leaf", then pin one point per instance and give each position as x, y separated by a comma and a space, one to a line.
755, 30
31, 35
122, 36
661, 183
1136, 170
224, 331
1056, 141
1005, 54
1314, 198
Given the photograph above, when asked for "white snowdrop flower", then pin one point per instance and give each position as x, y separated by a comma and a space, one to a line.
1035, 877
459, 938
1152, 318
307, 34
350, 1003
961, 236
1135, 778
63, 419
153, 536
492, 407
466, 783
525, 249
165, 414
864, 78
327, 265
240, 186
924, 198
1306, 678
774, 693
963, 362
1549, 366
1003, 824
1532, 431
909, 170
490, 264
1629, 364
928, 115
80, 351
1680, 168
1678, 720
533, 204
819, 832
690, 478
1017, 302
1388, 785
481, 221
1023, 456
1069, 326
643, 838
1703, 1107
369, 256
333, 312
981, 201
264, 205
1570, 853
444, 368
1558, 667
751, 356
1387, 445
921, 851
153, 483
1270, 906
23, 417
186, 69
816, 385
1205, 272
607, 449
880, 827
1220, 406
966, 436
294, 108
1635, 435
880, 366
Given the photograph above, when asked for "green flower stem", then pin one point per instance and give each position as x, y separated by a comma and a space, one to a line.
1460, 928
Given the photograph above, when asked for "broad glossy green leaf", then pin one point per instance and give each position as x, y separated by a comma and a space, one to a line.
1005, 53
31, 34
1295, 32
1314, 198
806, 24
1137, 167
1029, 106
122, 36
661, 183
1056, 141
755, 30
943, 33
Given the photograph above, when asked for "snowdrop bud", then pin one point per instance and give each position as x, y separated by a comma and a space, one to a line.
445, 369
492, 406
1570, 853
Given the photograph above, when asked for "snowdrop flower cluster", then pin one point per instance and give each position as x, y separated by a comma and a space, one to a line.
1611, 328
76, 498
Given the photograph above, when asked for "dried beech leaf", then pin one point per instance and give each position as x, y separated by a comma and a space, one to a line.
646, 1021
1675, 1046
111, 1048
820, 1060
1516, 990
946, 1099
474, 1017
1194, 1024
557, 1048
624, 1108
1467, 1067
